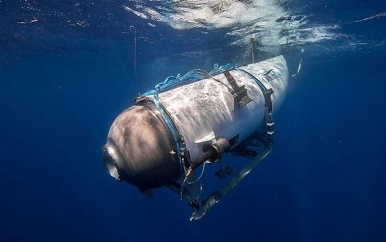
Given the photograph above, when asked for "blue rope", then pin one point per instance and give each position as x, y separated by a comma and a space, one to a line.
172, 81
190, 77
220, 69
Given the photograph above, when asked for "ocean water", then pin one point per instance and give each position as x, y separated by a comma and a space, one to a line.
68, 68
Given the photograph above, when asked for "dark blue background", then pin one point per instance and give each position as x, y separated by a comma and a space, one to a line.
60, 90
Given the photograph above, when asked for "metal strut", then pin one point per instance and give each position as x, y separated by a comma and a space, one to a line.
215, 197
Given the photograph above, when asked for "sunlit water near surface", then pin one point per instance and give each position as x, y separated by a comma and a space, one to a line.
68, 68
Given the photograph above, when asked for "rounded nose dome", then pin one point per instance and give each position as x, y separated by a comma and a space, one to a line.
140, 149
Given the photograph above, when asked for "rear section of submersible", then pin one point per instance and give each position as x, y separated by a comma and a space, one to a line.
190, 120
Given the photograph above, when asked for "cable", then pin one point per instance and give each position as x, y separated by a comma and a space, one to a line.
202, 172
135, 60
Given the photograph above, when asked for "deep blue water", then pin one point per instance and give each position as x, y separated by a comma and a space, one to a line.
67, 70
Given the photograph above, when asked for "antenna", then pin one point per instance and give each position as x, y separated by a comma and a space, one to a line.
135, 59
253, 47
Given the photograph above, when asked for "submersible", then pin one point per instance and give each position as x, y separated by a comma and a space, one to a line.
191, 120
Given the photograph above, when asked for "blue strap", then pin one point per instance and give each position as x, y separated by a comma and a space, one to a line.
169, 123
262, 87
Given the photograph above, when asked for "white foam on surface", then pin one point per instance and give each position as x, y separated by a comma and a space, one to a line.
267, 20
